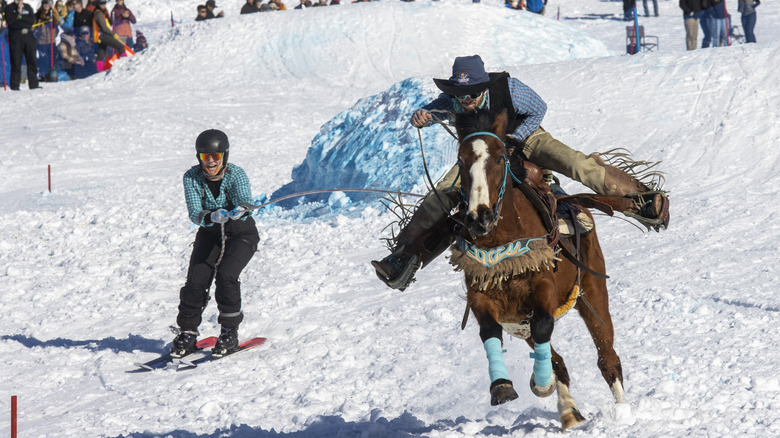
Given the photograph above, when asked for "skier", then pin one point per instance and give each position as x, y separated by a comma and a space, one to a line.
469, 89
219, 201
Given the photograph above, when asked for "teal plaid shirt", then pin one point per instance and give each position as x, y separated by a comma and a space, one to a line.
234, 190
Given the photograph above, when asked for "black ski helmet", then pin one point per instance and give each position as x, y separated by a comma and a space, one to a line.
211, 141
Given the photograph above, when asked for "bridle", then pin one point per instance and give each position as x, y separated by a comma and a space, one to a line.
500, 201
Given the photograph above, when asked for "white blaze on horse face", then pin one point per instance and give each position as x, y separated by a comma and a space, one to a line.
479, 195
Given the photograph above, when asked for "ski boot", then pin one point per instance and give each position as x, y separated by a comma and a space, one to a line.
227, 342
184, 343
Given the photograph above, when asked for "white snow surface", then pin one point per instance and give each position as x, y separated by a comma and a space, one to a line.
90, 273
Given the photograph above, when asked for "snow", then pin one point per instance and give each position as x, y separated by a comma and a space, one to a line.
90, 272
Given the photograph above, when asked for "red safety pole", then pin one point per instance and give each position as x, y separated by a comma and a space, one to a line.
13, 416
49, 178
559, 13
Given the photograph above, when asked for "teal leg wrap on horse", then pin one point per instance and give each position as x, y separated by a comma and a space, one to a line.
542, 357
495, 356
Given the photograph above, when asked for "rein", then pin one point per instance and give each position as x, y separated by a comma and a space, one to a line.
500, 202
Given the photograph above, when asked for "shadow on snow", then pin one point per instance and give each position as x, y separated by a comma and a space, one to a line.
132, 344
405, 426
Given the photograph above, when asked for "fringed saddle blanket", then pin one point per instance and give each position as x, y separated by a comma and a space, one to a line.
488, 268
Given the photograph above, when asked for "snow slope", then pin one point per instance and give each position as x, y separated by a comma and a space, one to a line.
90, 272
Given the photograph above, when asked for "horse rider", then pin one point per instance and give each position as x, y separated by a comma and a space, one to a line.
470, 88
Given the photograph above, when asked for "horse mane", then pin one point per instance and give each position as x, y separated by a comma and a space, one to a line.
475, 121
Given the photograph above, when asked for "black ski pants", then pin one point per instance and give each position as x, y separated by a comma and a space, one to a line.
107, 41
194, 296
23, 44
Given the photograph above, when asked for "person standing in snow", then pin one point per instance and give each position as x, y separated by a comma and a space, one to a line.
123, 19
471, 88
691, 14
219, 201
748, 10
20, 18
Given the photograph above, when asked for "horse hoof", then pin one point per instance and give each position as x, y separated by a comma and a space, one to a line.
543, 391
502, 391
571, 418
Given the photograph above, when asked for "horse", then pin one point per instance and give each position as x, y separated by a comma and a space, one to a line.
516, 281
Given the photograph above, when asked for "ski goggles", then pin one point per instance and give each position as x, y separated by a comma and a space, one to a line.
468, 97
216, 156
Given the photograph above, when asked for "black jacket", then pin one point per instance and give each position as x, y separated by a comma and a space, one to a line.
81, 19
18, 20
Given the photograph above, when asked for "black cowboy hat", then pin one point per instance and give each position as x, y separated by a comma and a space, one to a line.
468, 77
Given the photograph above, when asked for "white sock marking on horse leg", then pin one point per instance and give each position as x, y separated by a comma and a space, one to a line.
617, 391
479, 188
565, 400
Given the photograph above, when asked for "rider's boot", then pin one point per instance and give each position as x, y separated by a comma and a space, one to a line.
650, 207
420, 241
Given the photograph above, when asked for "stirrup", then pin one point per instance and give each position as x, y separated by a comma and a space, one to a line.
641, 211
404, 277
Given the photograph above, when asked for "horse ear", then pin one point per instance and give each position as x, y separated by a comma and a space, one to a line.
499, 124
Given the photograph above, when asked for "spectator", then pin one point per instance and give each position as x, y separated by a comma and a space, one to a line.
250, 7
514, 4
628, 9
335, 2
47, 22
104, 37
748, 10
691, 12
202, 13
86, 50
140, 41
20, 18
91, 6
304, 4
325, 3
719, 30
67, 17
81, 16
277, 5
210, 6
123, 19
69, 55
707, 21
647, 11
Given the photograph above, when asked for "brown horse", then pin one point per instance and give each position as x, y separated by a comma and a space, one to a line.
516, 280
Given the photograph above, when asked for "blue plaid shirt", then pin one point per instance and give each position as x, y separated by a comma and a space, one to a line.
235, 185
525, 100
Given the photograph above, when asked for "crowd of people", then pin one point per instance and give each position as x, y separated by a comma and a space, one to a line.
207, 11
715, 22
64, 40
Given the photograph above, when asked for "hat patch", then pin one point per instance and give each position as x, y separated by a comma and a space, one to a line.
463, 78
